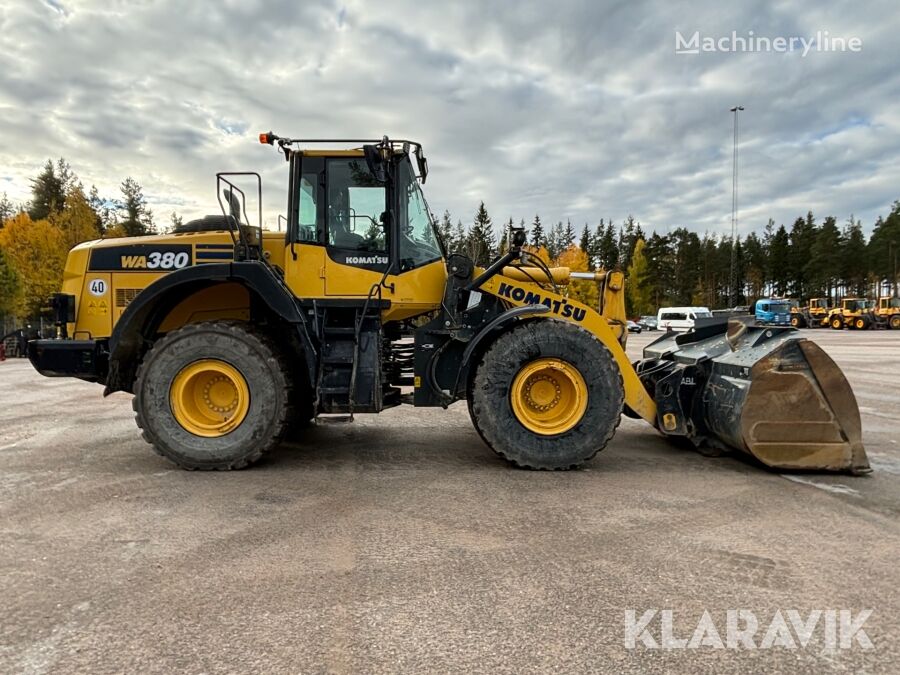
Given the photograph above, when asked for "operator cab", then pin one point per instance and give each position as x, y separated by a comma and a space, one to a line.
364, 206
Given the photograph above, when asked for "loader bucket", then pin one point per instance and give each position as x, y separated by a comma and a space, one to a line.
764, 391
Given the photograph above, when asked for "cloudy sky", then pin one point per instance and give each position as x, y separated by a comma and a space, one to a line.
576, 110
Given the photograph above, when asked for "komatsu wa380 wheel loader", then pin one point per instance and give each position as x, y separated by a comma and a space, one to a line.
229, 336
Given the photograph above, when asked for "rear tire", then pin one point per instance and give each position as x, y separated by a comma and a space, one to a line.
160, 399
593, 419
894, 322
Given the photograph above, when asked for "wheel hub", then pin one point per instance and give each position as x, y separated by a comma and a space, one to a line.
549, 396
209, 398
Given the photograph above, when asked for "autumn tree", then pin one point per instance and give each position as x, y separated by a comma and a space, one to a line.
637, 291
77, 220
37, 253
9, 285
583, 290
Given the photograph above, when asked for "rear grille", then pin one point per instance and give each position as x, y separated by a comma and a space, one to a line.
125, 295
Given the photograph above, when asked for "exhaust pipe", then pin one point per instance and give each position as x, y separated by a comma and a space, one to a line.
765, 391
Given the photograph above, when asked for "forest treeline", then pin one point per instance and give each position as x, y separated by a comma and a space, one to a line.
36, 237
680, 267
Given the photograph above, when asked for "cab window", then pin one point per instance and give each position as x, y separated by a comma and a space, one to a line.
417, 241
356, 206
308, 209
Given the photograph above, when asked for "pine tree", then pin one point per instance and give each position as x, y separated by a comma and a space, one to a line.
756, 265
586, 243
854, 266
884, 251
47, 192
628, 235
568, 235
537, 233
137, 219
505, 236
445, 231
780, 262
101, 210
803, 236
482, 244
460, 237
768, 236
608, 248
825, 259
6, 209
555, 240
177, 221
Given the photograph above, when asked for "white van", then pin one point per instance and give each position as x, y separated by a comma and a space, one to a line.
680, 318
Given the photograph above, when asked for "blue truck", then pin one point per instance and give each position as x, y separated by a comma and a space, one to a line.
773, 311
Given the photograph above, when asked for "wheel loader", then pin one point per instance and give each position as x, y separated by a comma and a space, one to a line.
887, 314
854, 313
230, 337
813, 315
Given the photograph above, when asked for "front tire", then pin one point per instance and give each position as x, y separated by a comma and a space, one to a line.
547, 395
894, 322
837, 324
212, 396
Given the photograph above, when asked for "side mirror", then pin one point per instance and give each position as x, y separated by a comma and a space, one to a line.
375, 162
422, 163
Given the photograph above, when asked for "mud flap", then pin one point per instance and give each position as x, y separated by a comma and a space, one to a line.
765, 391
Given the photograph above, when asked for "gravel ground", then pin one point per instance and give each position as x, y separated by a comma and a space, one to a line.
399, 543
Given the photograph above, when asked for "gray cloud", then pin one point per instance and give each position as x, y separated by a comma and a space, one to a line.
571, 110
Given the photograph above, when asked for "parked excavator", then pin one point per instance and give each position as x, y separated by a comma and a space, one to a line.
229, 336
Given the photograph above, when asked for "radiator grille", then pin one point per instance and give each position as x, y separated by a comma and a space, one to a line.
125, 295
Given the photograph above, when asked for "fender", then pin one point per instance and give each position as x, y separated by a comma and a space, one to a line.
498, 321
143, 316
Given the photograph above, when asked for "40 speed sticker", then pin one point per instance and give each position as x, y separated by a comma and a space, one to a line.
141, 258
97, 287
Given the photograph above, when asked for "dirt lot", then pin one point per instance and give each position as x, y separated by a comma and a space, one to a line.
400, 543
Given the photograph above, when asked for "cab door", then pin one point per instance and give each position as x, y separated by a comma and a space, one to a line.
357, 245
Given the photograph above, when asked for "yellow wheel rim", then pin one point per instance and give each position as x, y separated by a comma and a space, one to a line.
549, 396
209, 398
860, 323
